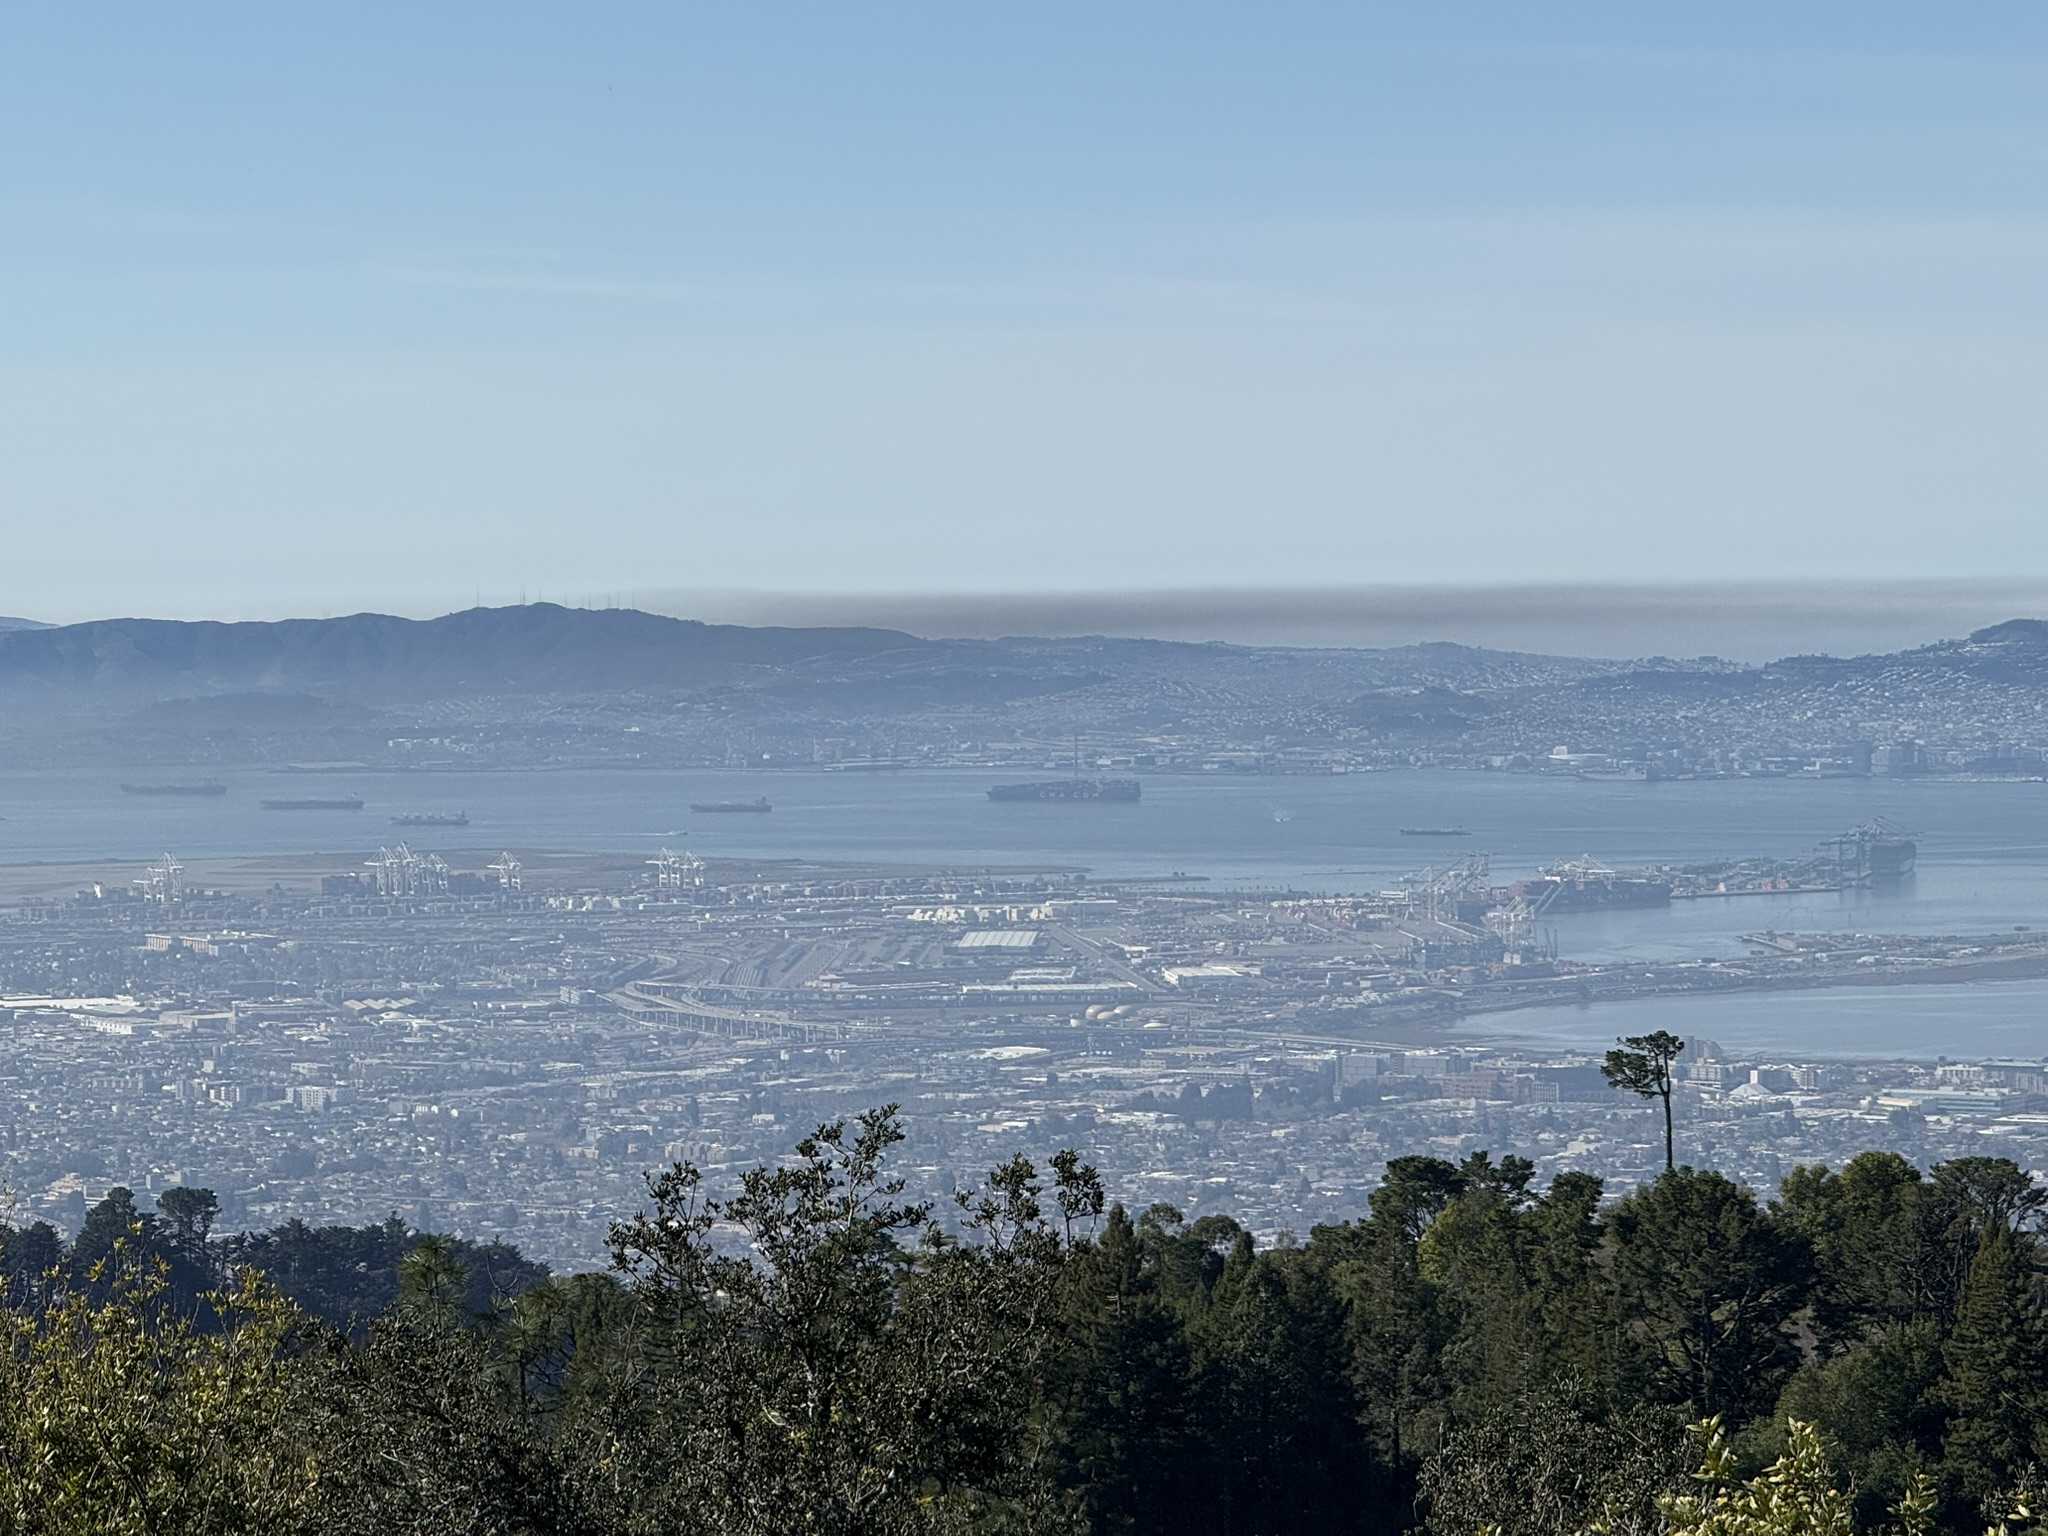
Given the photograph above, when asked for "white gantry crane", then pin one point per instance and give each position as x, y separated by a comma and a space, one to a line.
507, 870
677, 871
1437, 894
401, 872
163, 882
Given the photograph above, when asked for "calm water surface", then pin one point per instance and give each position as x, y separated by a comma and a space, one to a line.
2008, 1018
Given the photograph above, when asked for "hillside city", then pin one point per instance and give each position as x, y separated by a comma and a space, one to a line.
541, 686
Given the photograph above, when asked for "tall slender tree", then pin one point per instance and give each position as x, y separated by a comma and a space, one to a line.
1642, 1064
1122, 1406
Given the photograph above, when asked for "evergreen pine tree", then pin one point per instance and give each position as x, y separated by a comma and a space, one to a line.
1710, 1290
1122, 1394
1994, 1361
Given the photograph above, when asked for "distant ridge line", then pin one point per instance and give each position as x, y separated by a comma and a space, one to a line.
546, 649
540, 647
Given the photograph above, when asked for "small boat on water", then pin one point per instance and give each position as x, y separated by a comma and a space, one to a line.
732, 807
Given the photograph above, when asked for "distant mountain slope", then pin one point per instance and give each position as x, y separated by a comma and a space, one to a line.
284, 677
541, 684
539, 648
2013, 654
7, 623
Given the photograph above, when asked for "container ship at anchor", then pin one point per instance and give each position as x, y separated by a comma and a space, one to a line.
1586, 886
343, 803
1123, 790
1877, 850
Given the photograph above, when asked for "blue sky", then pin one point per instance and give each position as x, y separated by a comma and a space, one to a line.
313, 309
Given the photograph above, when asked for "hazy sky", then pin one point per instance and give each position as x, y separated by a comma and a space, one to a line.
316, 308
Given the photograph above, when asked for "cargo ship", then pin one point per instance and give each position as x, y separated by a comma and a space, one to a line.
1124, 790
1434, 832
1602, 895
1877, 850
344, 803
431, 819
207, 788
732, 807
1587, 886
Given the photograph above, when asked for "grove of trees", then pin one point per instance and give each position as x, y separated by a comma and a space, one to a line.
811, 1352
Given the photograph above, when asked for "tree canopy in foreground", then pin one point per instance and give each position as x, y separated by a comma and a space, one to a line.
812, 1352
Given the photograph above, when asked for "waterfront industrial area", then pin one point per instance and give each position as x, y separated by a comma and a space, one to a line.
1038, 893
501, 1044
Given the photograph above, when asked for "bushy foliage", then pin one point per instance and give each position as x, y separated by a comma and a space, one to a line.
119, 1416
1797, 1495
813, 1352
831, 1377
1556, 1461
